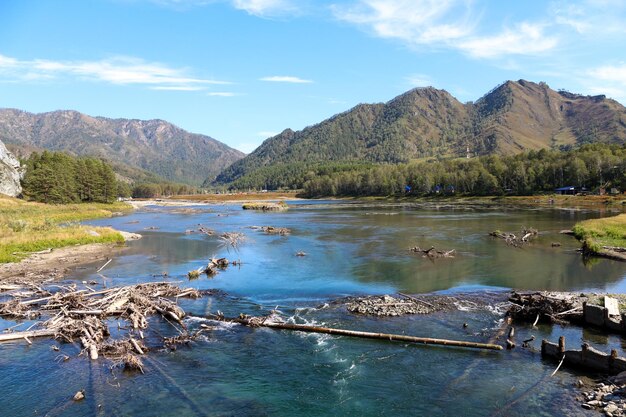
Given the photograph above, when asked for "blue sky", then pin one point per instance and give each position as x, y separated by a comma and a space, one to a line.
243, 70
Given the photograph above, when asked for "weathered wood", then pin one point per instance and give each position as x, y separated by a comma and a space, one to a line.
138, 349
368, 335
104, 266
21, 335
612, 305
417, 300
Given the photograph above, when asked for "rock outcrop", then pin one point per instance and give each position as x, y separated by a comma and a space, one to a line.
10, 173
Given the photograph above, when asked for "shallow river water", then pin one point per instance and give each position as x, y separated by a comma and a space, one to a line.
351, 249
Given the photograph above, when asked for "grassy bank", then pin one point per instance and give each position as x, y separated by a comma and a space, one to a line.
30, 227
596, 234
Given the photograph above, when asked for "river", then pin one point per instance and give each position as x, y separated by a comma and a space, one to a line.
351, 249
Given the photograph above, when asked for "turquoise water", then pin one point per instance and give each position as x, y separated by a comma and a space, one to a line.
351, 249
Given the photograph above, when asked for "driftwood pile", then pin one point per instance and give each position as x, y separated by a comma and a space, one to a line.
79, 315
212, 268
552, 307
433, 253
511, 239
271, 230
387, 305
232, 239
206, 231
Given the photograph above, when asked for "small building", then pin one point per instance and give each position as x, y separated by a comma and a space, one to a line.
569, 190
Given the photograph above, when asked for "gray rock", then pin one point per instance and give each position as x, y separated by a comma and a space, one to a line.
10, 173
620, 378
611, 408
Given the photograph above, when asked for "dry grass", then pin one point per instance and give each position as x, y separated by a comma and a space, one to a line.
271, 195
265, 206
27, 227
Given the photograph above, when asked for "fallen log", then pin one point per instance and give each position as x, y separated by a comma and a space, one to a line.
22, 335
355, 333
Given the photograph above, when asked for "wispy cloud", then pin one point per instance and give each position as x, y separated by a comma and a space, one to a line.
609, 80
452, 24
418, 22
119, 71
266, 134
176, 88
523, 39
260, 8
264, 8
221, 94
286, 79
592, 18
419, 80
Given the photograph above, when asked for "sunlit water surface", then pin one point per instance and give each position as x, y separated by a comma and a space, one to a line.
351, 249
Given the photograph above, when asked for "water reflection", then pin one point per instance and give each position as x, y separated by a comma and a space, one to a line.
363, 248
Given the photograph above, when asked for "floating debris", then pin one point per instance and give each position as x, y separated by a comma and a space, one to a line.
387, 305
433, 253
265, 206
516, 240
271, 230
232, 239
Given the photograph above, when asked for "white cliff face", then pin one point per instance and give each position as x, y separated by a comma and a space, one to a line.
10, 173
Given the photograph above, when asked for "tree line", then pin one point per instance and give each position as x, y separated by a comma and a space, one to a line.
590, 166
59, 178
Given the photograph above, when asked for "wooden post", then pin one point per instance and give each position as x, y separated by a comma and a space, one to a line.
562, 345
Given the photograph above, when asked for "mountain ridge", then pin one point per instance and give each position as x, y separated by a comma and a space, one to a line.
427, 122
154, 145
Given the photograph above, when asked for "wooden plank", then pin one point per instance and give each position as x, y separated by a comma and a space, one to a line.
612, 305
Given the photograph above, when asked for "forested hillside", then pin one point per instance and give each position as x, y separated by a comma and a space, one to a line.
151, 145
589, 167
427, 123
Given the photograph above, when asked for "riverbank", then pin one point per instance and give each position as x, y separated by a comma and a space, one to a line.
55, 264
604, 237
549, 200
27, 227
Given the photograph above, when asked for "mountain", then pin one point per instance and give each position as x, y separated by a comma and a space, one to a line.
10, 173
155, 146
427, 122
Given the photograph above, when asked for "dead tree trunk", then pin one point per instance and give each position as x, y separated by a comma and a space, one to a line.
368, 335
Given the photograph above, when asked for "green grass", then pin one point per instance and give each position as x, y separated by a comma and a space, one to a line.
27, 227
608, 231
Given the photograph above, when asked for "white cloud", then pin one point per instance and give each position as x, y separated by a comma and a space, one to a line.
593, 18
119, 70
451, 24
221, 94
418, 22
266, 134
261, 8
524, 39
176, 88
609, 80
611, 73
286, 79
265, 7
